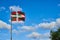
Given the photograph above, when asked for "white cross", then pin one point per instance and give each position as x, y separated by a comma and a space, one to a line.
17, 16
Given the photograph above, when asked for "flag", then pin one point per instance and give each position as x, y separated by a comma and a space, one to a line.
17, 16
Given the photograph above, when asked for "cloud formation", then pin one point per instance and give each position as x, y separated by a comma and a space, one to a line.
27, 28
15, 8
50, 25
23, 29
45, 25
36, 35
4, 25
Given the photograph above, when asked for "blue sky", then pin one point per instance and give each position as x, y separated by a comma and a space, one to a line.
40, 17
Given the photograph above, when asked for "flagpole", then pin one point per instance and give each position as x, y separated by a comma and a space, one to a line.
11, 28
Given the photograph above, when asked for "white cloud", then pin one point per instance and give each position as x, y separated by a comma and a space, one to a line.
4, 25
23, 29
15, 8
46, 39
45, 25
58, 22
36, 35
27, 28
48, 25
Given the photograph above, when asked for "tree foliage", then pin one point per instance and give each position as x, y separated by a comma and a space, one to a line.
55, 35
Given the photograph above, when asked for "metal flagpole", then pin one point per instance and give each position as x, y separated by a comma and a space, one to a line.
11, 28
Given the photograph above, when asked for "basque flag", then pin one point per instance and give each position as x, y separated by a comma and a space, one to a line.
17, 16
